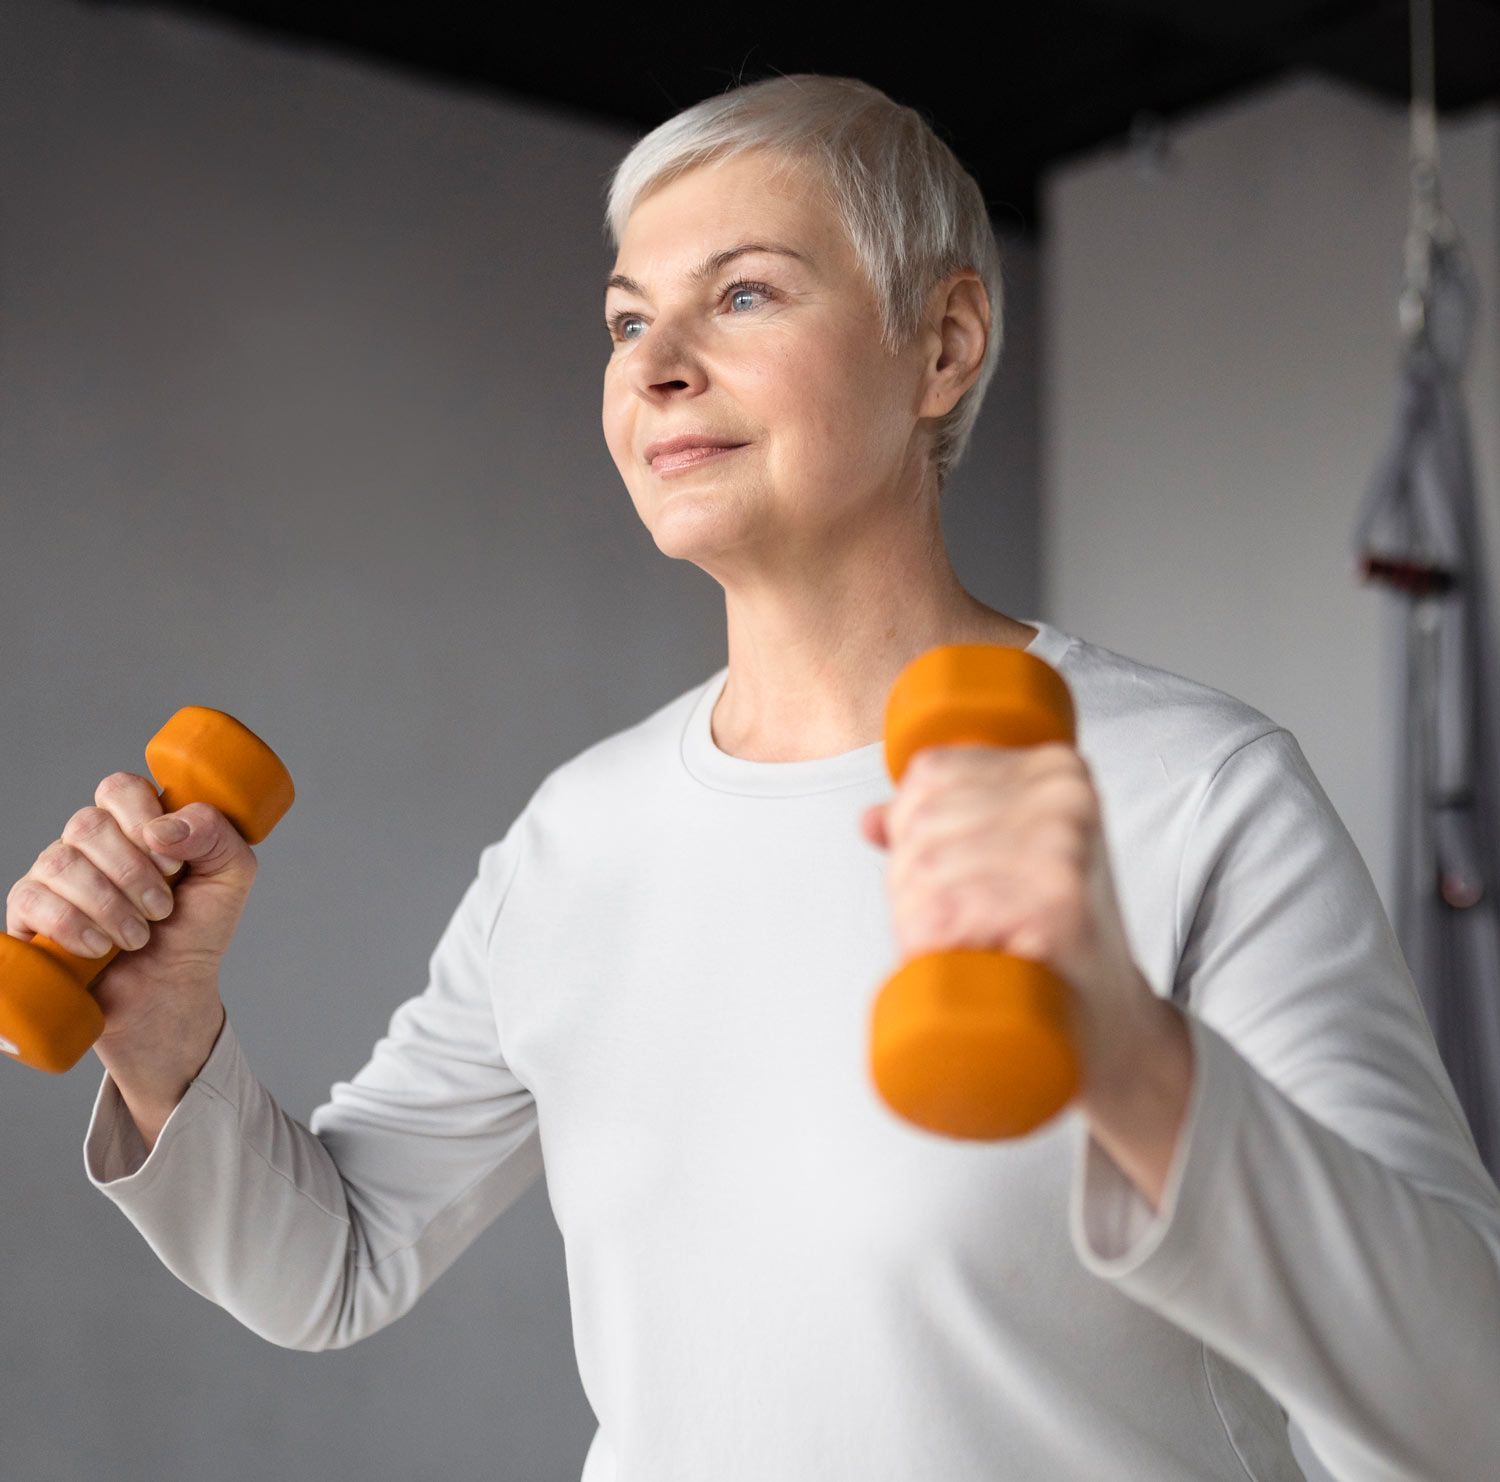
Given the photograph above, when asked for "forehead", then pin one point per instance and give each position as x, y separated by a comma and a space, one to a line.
745, 198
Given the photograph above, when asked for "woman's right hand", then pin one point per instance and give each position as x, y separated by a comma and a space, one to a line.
160, 996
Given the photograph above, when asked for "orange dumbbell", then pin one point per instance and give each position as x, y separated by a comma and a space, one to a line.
48, 1017
974, 1043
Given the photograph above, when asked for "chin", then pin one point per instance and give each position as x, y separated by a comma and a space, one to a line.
688, 524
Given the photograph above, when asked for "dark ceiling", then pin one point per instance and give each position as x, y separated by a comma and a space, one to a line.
1014, 89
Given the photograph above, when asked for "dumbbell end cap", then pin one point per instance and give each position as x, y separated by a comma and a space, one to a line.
981, 694
973, 1044
46, 1020
206, 755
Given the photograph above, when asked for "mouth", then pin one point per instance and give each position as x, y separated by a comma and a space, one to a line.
690, 457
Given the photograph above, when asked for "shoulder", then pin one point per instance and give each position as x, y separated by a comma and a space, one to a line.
619, 765
1139, 717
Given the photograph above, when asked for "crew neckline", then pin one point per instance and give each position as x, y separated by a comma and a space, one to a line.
717, 769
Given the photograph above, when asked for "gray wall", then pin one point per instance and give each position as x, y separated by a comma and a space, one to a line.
300, 368
1221, 351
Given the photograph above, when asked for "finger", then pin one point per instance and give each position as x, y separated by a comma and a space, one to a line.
74, 878
953, 851
957, 863
134, 802
31, 909
985, 800
96, 834
212, 845
919, 790
935, 813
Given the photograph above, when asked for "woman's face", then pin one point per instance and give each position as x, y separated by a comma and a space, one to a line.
781, 354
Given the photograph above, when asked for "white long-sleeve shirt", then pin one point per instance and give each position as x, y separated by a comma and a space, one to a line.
659, 984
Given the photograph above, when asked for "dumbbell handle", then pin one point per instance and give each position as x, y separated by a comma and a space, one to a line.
974, 1043
48, 1017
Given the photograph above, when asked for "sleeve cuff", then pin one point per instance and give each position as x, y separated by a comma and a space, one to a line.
1114, 1231
114, 1153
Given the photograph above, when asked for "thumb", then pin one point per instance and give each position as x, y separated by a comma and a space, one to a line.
872, 825
210, 843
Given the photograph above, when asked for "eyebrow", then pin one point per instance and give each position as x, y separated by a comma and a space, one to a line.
711, 265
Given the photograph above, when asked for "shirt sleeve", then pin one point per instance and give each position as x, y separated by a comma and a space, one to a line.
317, 1236
1327, 1223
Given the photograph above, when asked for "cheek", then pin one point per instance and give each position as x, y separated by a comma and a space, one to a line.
821, 400
611, 405
616, 423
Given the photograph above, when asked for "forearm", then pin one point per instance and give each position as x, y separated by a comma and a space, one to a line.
1365, 1303
317, 1236
241, 1203
149, 1116
1136, 1111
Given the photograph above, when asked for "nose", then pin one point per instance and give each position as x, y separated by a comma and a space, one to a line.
665, 359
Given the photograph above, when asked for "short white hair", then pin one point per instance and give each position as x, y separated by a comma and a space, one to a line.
912, 213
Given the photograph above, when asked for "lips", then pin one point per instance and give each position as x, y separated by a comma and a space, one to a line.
684, 441
690, 457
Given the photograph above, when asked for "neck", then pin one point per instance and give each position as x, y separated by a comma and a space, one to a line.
811, 665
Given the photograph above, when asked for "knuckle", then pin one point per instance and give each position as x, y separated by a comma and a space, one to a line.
24, 901
87, 823
1060, 756
1068, 792
137, 876
1080, 783
57, 858
120, 782
926, 764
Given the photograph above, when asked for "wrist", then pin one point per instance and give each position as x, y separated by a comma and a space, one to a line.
1127, 1061
1138, 1118
154, 1071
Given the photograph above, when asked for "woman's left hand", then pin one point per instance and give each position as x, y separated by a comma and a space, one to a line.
1003, 848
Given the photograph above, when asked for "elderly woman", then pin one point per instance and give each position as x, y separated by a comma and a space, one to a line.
1263, 1200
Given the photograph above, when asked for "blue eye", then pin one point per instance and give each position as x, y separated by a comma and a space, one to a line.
738, 288
617, 320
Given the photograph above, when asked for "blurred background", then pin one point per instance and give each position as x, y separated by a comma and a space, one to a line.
300, 371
